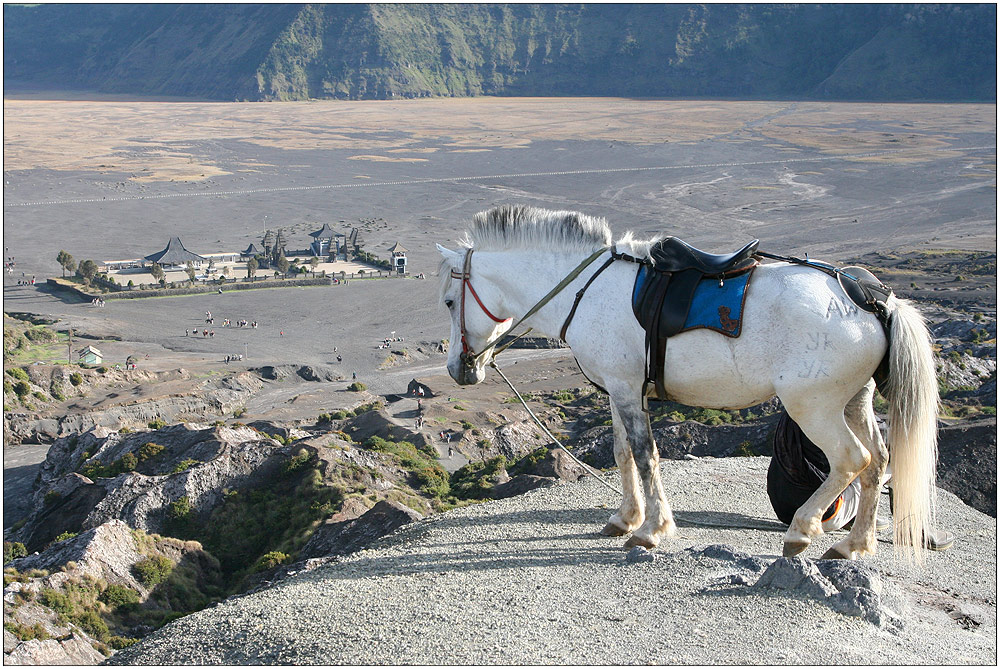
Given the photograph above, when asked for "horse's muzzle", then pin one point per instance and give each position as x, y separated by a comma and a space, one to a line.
465, 374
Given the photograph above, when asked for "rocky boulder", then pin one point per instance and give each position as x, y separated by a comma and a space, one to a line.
967, 463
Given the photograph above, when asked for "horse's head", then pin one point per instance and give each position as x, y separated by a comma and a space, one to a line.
476, 315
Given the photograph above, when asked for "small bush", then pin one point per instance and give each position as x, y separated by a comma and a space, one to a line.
22, 389
64, 536
270, 560
18, 373
119, 595
184, 465
466, 425
102, 370
157, 424
119, 642
149, 450
26, 633
357, 387
76, 378
153, 570
13, 550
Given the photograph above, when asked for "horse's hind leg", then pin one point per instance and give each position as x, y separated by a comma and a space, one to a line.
861, 419
630, 515
826, 427
659, 520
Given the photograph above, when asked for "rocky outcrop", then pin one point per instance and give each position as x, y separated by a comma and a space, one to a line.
348, 536
73, 575
209, 400
967, 463
101, 475
76, 649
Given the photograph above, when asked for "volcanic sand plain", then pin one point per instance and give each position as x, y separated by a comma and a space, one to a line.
113, 179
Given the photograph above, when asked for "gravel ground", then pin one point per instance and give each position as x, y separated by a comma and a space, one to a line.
528, 580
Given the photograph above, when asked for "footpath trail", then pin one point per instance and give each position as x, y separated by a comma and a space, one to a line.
404, 412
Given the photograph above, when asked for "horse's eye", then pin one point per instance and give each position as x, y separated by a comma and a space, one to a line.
449, 303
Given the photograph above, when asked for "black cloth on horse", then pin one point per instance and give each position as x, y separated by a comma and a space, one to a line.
798, 468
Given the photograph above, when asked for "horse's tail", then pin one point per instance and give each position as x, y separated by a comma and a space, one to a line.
912, 393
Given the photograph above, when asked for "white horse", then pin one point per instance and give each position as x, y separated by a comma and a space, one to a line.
798, 342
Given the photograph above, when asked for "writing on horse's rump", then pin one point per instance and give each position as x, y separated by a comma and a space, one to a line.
526, 266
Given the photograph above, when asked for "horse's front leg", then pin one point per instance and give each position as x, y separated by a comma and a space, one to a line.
630, 514
659, 520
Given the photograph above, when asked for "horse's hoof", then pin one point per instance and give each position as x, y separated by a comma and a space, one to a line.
834, 554
793, 548
612, 530
634, 541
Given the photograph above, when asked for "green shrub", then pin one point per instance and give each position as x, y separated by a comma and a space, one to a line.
149, 450
270, 560
157, 424
119, 595
56, 394
466, 425
184, 465
102, 370
119, 642
128, 462
13, 550
297, 463
18, 373
57, 601
22, 389
90, 621
357, 387
76, 378
64, 536
153, 570
26, 633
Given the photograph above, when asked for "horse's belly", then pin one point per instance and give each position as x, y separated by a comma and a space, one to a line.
703, 368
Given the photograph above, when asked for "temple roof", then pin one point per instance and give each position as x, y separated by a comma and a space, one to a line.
174, 254
326, 232
397, 248
251, 250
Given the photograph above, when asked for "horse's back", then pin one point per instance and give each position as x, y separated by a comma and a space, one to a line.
800, 334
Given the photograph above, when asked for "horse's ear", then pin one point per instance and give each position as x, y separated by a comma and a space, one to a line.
447, 253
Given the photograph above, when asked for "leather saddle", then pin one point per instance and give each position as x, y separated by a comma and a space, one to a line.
664, 289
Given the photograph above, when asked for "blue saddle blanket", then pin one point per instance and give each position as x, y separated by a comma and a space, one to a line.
715, 307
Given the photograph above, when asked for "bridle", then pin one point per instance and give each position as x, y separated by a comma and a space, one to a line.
469, 356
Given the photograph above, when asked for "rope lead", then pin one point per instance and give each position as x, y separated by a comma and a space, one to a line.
593, 472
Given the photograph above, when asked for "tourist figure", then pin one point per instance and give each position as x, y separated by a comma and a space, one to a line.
339, 358
354, 376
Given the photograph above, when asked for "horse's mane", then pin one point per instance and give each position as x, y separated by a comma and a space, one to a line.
511, 227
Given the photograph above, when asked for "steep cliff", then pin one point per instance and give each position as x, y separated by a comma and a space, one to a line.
372, 51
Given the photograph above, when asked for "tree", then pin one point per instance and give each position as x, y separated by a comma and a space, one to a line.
157, 271
252, 266
283, 264
67, 262
88, 270
190, 271
226, 271
211, 264
314, 262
